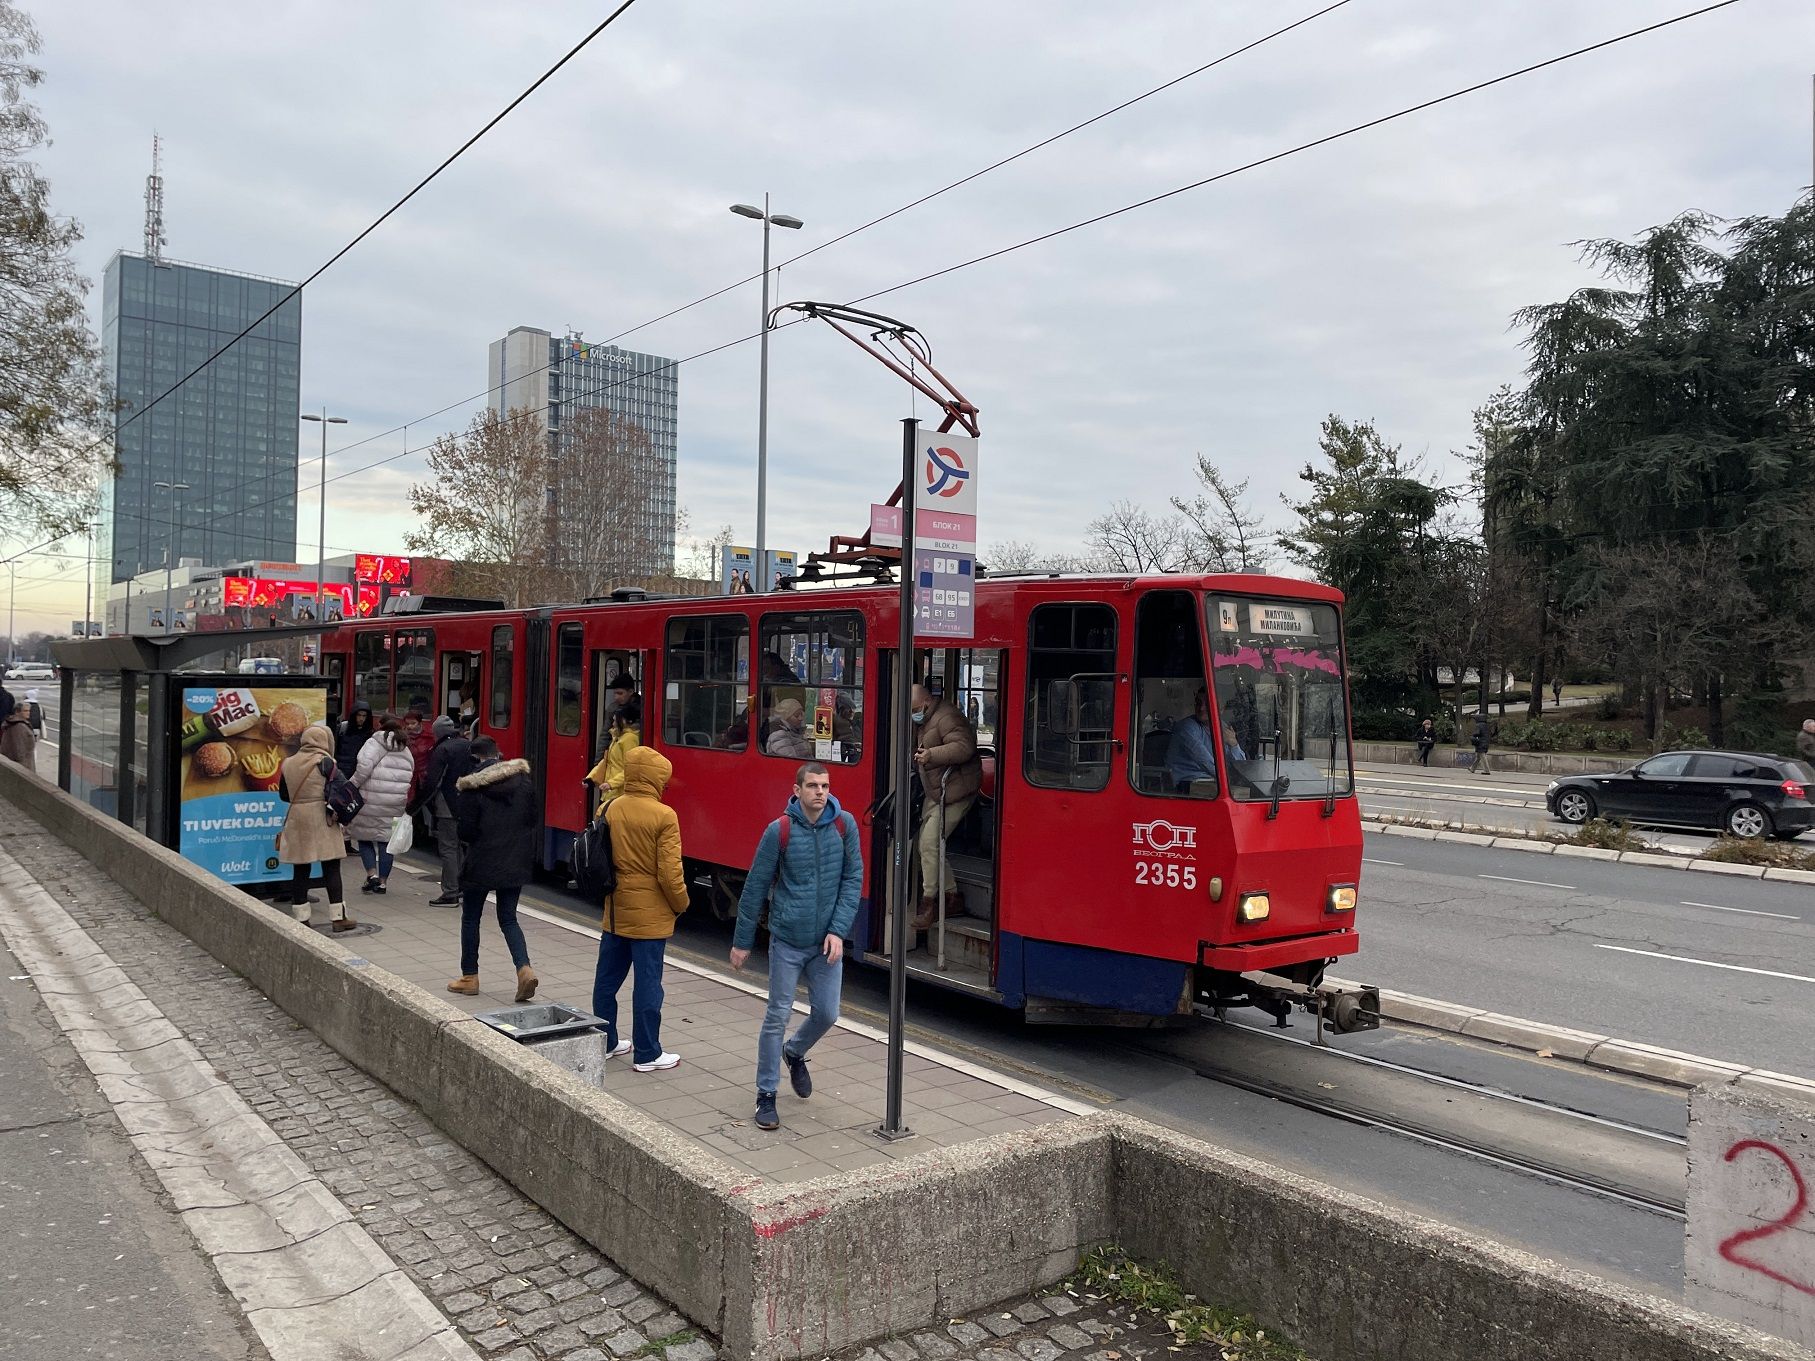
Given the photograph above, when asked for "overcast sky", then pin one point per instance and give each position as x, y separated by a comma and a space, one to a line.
1373, 278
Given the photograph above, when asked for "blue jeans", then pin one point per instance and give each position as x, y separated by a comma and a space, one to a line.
618, 955
787, 963
376, 857
472, 912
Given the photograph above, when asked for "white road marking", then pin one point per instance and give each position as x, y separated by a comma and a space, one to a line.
1750, 912
1535, 883
1712, 964
1396, 864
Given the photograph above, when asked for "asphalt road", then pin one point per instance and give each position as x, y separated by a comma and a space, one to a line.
1505, 801
1718, 966
91, 1263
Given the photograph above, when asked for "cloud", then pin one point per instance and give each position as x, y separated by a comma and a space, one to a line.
1373, 277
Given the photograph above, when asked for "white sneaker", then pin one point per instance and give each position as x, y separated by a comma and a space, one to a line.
660, 1063
618, 1053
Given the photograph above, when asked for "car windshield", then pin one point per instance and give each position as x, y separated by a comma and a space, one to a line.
1277, 671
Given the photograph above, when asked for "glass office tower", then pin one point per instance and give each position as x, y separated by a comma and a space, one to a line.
230, 432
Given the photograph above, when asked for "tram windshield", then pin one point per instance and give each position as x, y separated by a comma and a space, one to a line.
1276, 666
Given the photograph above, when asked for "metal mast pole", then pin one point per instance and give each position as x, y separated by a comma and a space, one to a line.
891, 1127
762, 423
321, 531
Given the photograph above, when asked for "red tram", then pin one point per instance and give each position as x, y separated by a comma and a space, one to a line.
1101, 876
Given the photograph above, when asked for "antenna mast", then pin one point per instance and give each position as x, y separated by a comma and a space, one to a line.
154, 207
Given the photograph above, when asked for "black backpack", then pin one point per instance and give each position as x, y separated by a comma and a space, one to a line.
595, 872
340, 794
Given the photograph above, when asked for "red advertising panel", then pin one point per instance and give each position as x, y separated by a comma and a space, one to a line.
293, 600
381, 569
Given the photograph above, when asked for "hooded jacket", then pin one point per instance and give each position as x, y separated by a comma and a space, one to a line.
498, 818
953, 770
308, 835
646, 849
383, 773
608, 775
814, 893
16, 740
451, 759
352, 737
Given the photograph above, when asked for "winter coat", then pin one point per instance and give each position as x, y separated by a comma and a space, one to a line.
308, 834
790, 742
608, 775
16, 740
422, 746
950, 744
1427, 737
499, 815
448, 762
1480, 740
383, 773
646, 849
815, 894
352, 738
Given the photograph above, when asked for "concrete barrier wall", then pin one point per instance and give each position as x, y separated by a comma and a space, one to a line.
786, 1271
1504, 759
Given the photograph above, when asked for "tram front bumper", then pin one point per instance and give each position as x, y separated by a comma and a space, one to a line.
1271, 954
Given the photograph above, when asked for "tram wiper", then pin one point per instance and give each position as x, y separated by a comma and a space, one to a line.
1281, 783
1329, 779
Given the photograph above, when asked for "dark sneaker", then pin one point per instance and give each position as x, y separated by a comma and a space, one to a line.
798, 1075
445, 900
766, 1118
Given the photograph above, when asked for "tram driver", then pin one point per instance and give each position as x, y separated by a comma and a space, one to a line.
1189, 755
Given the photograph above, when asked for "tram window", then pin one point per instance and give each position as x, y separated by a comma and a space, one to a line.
1070, 696
979, 680
706, 679
815, 662
1280, 701
372, 669
502, 646
1173, 753
570, 658
415, 654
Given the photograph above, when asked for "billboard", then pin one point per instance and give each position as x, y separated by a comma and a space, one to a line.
281, 600
737, 569
381, 569
232, 742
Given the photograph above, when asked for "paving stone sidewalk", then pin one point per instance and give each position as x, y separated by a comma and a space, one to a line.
519, 1285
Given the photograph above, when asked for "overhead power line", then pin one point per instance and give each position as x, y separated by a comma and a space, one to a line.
1293, 151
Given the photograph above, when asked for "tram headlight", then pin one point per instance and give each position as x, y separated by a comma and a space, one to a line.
1341, 898
1253, 907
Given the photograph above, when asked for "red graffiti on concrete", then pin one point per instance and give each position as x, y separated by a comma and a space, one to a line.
1730, 1247
775, 1227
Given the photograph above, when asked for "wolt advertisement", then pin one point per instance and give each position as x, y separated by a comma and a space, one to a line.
234, 740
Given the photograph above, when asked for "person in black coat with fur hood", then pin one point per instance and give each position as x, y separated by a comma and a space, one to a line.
498, 815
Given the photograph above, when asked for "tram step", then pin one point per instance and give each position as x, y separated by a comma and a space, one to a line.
967, 943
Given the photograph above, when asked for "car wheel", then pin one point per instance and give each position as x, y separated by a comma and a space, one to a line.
1748, 822
1575, 807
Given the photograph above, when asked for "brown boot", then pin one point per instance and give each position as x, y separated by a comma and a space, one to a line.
954, 903
526, 983
929, 909
338, 918
467, 985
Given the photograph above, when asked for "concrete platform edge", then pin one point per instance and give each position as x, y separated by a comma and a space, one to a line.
751, 1261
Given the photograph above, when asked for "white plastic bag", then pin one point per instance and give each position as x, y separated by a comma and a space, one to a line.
403, 836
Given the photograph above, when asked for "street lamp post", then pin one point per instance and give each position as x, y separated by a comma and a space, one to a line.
169, 543
764, 216
321, 535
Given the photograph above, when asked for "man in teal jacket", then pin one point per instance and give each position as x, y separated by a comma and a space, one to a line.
809, 866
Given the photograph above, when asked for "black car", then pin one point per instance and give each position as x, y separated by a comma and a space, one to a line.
1740, 793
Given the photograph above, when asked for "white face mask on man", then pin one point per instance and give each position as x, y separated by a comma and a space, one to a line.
919, 715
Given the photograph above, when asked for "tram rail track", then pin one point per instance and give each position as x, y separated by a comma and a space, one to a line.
1577, 1149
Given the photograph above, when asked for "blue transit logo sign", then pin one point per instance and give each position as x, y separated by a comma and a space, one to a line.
945, 471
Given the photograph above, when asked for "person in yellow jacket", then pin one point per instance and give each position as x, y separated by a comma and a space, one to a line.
626, 734
639, 917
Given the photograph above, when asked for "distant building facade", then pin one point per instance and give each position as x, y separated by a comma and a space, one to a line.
230, 433
556, 376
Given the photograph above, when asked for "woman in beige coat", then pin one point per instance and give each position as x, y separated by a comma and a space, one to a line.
309, 833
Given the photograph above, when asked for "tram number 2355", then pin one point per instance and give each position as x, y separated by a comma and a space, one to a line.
1156, 874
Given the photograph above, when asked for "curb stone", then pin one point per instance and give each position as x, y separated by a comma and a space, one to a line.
1508, 839
1582, 1046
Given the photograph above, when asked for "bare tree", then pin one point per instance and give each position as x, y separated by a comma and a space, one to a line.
1222, 533
606, 528
54, 409
485, 507
1129, 539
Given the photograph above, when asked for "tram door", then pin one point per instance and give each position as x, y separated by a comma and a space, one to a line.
607, 665
970, 678
459, 697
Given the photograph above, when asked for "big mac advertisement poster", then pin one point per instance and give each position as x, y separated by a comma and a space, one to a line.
233, 742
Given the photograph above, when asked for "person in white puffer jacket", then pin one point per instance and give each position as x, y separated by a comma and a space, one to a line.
383, 774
